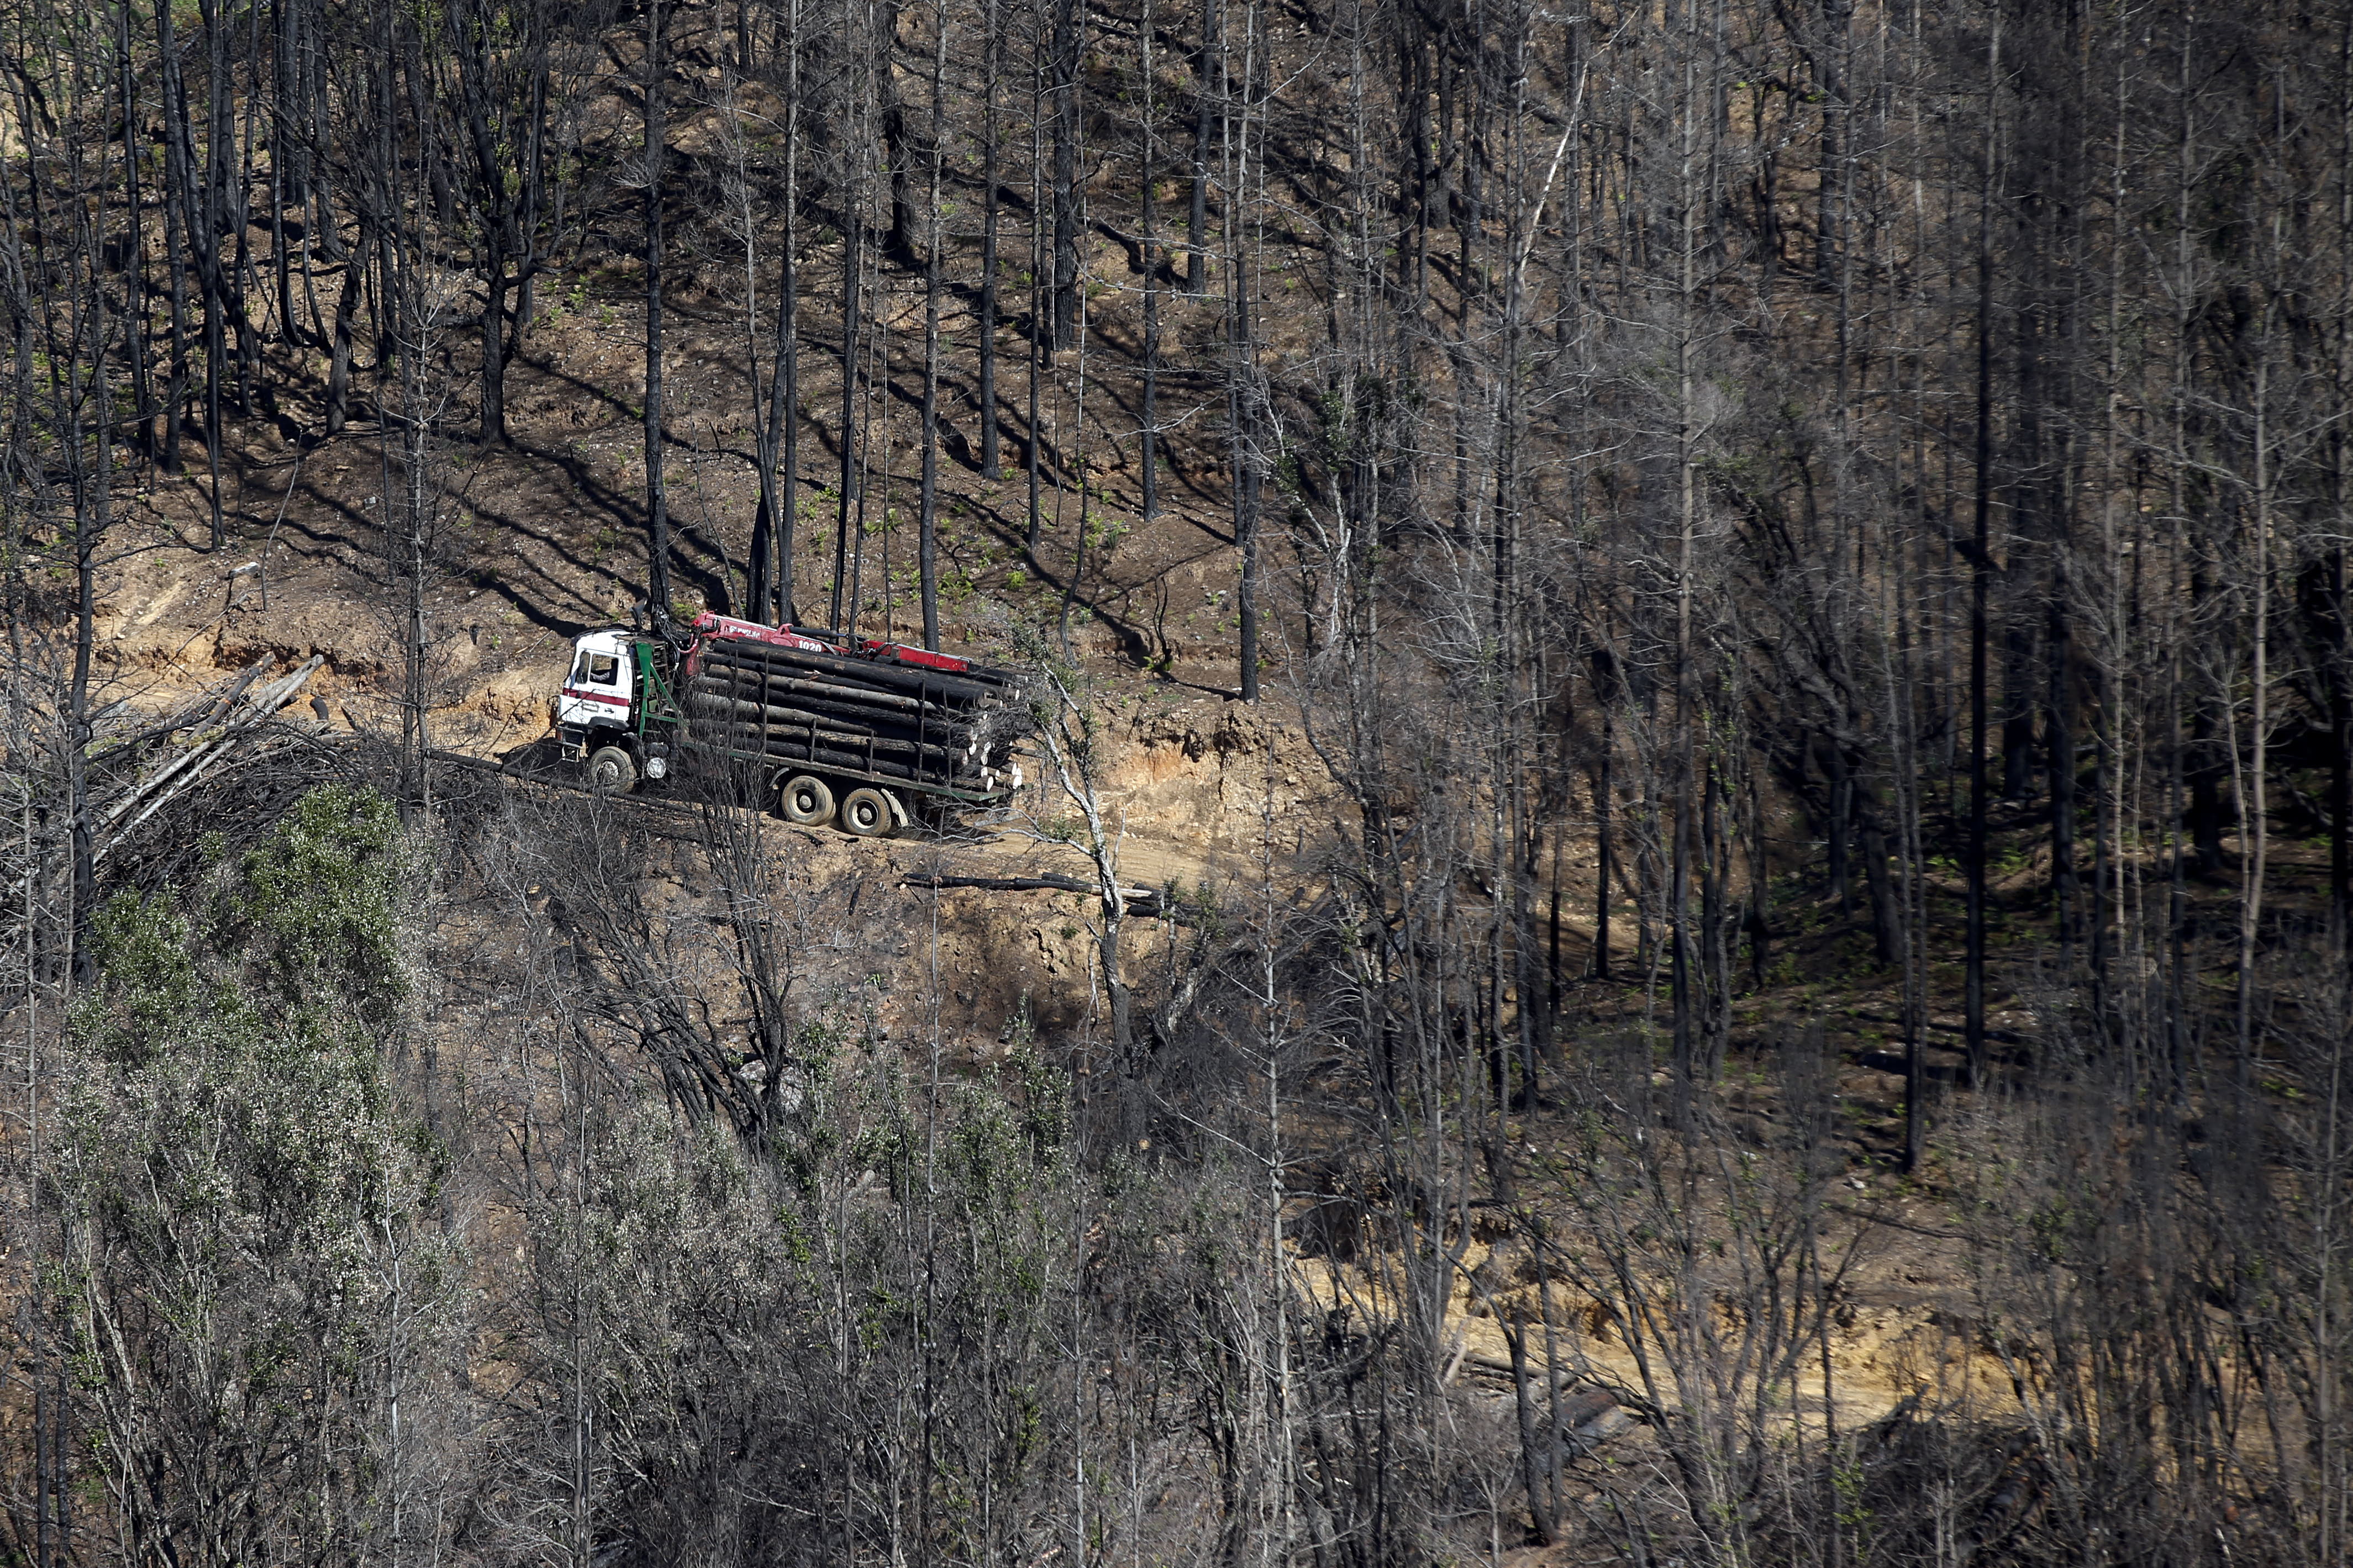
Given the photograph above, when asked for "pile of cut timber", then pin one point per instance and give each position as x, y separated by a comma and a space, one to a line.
833, 710
212, 738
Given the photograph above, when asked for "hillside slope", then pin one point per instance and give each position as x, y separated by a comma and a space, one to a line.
1708, 653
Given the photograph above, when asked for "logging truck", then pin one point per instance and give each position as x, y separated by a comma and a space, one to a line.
864, 735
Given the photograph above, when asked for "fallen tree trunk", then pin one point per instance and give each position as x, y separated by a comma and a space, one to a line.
150, 794
1148, 902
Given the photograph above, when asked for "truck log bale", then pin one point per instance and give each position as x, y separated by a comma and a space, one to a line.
746, 702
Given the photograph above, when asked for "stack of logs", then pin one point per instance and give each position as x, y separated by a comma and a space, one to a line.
854, 715
207, 736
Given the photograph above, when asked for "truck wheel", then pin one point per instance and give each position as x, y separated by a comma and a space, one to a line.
867, 813
611, 768
806, 801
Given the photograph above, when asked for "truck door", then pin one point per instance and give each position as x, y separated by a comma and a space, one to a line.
597, 695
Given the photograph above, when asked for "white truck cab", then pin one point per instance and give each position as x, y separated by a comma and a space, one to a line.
597, 703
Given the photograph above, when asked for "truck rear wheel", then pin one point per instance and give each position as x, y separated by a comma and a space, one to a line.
867, 813
612, 768
806, 801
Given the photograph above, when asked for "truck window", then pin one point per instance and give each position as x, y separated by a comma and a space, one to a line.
597, 670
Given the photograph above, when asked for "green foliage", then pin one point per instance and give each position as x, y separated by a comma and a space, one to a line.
1104, 531
149, 984
253, 1207
243, 1052
899, 1228
314, 905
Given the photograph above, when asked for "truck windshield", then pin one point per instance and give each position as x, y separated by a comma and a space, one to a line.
597, 670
